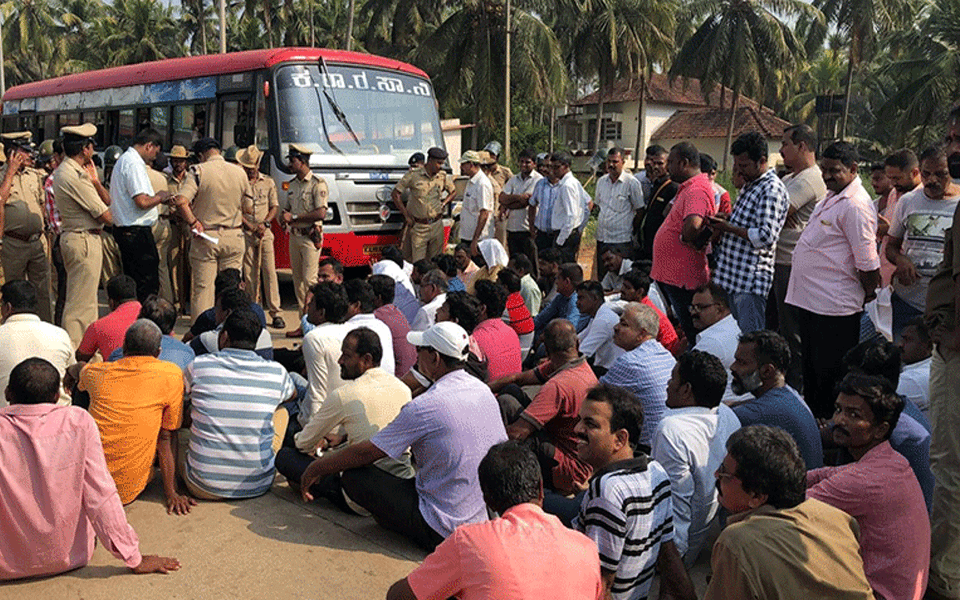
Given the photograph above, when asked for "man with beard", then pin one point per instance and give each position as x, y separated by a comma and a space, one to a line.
759, 367
663, 189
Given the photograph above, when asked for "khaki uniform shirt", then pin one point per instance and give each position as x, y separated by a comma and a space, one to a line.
218, 191
502, 175
23, 211
808, 551
426, 193
76, 198
264, 197
158, 181
306, 196
174, 186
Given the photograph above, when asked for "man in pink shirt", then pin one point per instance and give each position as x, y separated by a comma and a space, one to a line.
679, 257
835, 270
526, 554
902, 169
106, 334
498, 341
879, 490
58, 495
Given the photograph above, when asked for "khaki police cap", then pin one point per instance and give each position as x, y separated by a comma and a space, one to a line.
298, 151
87, 130
470, 156
178, 152
21, 137
249, 157
486, 158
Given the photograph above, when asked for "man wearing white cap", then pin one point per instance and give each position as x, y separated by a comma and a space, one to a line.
475, 221
448, 428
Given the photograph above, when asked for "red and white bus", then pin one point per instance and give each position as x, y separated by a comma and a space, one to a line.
362, 115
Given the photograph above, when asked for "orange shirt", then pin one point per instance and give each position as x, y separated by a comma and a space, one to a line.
131, 400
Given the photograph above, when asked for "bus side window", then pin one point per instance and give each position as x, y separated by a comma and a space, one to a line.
183, 126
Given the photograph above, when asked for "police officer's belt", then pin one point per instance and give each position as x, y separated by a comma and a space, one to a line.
21, 237
427, 221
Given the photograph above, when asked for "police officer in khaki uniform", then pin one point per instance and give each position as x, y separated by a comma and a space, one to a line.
488, 163
498, 173
302, 213
259, 265
82, 202
24, 251
161, 229
429, 191
178, 259
211, 200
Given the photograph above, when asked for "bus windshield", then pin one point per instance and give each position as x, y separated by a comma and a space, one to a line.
384, 116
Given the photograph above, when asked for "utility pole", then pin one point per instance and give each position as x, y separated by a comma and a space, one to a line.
223, 26
506, 94
349, 43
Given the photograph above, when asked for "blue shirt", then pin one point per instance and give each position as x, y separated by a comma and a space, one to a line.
561, 308
171, 350
782, 407
455, 285
543, 196
645, 371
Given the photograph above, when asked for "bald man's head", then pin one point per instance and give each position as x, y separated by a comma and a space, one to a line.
560, 336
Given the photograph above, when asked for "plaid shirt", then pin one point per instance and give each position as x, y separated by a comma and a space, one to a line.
53, 215
746, 266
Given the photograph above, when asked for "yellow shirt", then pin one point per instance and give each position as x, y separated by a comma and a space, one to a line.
76, 198
131, 400
426, 194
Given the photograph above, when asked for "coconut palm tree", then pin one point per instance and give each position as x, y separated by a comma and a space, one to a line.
29, 35
739, 44
396, 27
198, 18
137, 31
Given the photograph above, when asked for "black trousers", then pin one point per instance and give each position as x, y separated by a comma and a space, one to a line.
680, 300
570, 247
521, 242
138, 254
513, 401
546, 239
392, 501
823, 342
61, 272
291, 463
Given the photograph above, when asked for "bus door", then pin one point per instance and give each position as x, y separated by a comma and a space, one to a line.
235, 123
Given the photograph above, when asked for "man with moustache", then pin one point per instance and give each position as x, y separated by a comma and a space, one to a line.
662, 192
619, 197
759, 368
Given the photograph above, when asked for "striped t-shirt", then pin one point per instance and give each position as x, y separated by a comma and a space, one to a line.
627, 511
234, 394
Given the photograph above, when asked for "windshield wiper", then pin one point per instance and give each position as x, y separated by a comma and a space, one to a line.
337, 112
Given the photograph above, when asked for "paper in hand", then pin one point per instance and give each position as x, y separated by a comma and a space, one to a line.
206, 236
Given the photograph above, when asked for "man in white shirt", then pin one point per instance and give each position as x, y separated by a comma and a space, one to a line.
476, 222
615, 267
596, 339
23, 335
433, 293
619, 196
515, 203
719, 333
916, 352
133, 203
361, 302
690, 444
568, 208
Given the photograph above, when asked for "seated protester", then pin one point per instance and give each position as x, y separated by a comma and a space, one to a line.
719, 332
448, 266
596, 339
466, 268
46, 450
916, 352
690, 444
331, 269
232, 299
655, 297
404, 355
759, 368
361, 303
366, 402
644, 368
230, 455
23, 335
499, 343
465, 310
911, 434
616, 266
106, 333
546, 422
207, 320
164, 315
448, 429
548, 263
516, 314
529, 290
481, 560
494, 259
634, 288
420, 268
564, 304
433, 291
879, 490
326, 312
137, 403
761, 483
404, 296
627, 509
393, 253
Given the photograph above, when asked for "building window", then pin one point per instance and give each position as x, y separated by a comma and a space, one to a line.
611, 132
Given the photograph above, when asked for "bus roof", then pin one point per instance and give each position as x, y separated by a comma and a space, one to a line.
171, 69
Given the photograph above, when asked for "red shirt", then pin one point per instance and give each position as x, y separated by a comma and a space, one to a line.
520, 319
106, 334
501, 345
556, 410
674, 262
667, 336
